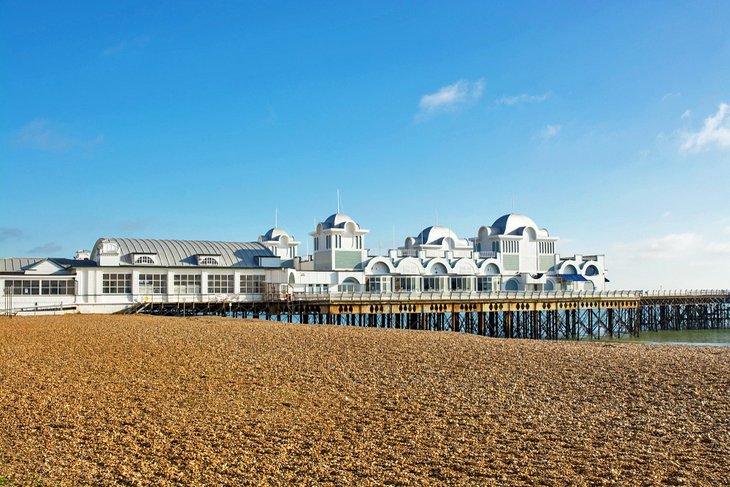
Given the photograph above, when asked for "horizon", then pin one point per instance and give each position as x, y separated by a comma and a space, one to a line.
607, 124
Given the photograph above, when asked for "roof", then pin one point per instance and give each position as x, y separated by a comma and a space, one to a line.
435, 235
512, 223
337, 220
172, 253
18, 264
275, 234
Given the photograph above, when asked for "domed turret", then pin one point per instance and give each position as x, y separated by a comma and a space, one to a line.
337, 220
512, 224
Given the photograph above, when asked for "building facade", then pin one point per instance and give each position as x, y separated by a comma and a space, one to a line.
513, 254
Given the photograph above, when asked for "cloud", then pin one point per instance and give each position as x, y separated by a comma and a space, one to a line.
125, 45
550, 131
45, 249
10, 234
674, 245
686, 114
668, 96
40, 135
450, 98
714, 133
523, 98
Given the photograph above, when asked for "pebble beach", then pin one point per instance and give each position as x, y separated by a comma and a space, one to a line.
142, 400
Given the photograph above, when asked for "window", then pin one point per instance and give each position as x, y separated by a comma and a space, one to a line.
23, 287
461, 283
220, 283
406, 283
144, 259
338, 241
547, 247
511, 247
207, 260
495, 246
116, 284
378, 284
489, 283
186, 284
65, 286
328, 241
316, 244
434, 283
152, 283
252, 284
358, 241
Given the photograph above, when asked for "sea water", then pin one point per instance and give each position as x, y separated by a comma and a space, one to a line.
713, 337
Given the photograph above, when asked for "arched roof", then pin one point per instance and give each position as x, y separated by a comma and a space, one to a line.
275, 234
435, 235
182, 252
337, 220
512, 223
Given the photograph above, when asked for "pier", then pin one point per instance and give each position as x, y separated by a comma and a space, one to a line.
535, 315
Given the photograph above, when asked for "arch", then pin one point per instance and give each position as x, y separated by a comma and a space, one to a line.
144, 259
208, 261
350, 228
589, 286
379, 266
530, 234
292, 278
351, 280
569, 269
591, 270
409, 265
438, 269
465, 266
549, 285
448, 243
512, 285
490, 267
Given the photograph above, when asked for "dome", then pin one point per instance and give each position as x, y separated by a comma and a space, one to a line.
512, 224
337, 220
435, 235
275, 234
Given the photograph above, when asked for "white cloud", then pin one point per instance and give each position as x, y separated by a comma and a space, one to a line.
550, 131
450, 98
39, 135
686, 114
715, 132
523, 98
687, 260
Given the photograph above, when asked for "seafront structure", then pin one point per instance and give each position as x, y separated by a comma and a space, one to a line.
512, 254
507, 281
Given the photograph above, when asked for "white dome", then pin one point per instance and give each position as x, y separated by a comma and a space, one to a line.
337, 220
512, 224
275, 234
435, 235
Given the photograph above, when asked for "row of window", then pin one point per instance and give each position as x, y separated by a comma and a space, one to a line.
432, 284
546, 247
182, 284
40, 287
357, 239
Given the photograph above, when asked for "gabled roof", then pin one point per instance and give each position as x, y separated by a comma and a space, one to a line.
172, 253
18, 264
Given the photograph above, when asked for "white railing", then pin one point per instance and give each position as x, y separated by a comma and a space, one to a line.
499, 295
407, 252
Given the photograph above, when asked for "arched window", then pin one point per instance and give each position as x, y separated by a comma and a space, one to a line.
208, 261
512, 285
144, 259
439, 269
591, 270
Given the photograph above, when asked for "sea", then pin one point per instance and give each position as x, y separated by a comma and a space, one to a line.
716, 337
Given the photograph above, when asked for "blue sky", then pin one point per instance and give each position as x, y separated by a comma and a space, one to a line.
606, 122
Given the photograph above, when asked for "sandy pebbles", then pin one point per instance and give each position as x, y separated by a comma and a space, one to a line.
149, 400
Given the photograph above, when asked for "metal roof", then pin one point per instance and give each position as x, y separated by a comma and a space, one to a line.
18, 264
173, 253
